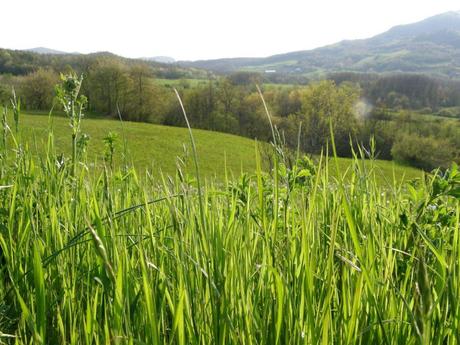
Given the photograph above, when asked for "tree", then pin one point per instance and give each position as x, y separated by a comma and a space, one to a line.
201, 102
141, 93
37, 89
322, 103
108, 86
287, 101
245, 78
252, 119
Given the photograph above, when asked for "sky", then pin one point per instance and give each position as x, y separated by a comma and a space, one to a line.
202, 29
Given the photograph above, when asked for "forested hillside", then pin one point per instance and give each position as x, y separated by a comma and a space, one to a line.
431, 46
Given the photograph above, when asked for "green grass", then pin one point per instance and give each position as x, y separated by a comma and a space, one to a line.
148, 146
431, 117
157, 147
180, 82
385, 171
291, 257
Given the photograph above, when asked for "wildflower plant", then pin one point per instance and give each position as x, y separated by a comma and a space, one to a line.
109, 141
82, 145
16, 107
4, 127
68, 95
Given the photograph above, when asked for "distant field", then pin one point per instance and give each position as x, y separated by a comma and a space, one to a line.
429, 116
157, 147
180, 82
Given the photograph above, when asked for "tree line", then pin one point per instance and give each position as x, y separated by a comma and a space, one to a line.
405, 90
231, 104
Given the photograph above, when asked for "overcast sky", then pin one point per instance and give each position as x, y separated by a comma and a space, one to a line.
202, 29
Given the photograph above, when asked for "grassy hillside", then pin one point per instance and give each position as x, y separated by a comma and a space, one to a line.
157, 147
148, 146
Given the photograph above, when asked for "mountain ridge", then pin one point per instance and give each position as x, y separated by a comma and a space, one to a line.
429, 46
49, 51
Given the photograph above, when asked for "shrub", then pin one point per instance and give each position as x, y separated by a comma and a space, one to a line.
423, 152
446, 113
37, 89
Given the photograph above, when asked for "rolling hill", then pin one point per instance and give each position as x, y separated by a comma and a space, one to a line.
431, 46
44, 50
23, 62
156, 147
49, 51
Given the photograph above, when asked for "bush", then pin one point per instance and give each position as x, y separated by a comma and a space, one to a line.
446, 113
426, 110
37, 89
423, 152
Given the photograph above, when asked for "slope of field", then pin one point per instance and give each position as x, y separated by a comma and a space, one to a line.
157, 147
148, 146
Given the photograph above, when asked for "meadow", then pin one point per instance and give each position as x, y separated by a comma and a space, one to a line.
157, 148
293, 254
